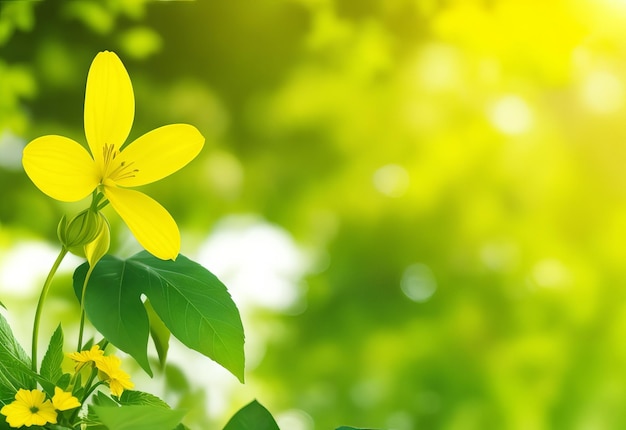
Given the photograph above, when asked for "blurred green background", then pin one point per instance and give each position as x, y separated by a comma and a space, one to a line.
418, 205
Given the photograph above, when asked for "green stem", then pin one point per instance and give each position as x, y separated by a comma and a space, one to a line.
91, 389
102, 205
42, 299
82, 309
88, 390
95, 201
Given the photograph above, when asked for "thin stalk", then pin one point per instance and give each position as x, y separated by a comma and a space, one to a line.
42, 299
102, 205
88, 390
91, 389
96, 203
82, 309
95, 199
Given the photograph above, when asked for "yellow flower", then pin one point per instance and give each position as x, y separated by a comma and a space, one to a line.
64, 170
63, 401
111, 373
29, 408
81, 358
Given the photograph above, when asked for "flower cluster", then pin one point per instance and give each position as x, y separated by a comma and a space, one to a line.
109, 370
31, 407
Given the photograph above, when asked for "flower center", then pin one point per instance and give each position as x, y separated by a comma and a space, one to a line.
34, 409
109, 153
122, 171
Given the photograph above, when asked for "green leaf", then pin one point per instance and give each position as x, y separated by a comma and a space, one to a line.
101, 399
52, 360
2, 304
159, 332
196, 307
7, 393
91, 421
139, 417
78, 389
192, 303
130, 397
14, 363
15, 371
64, 381
113, 305
252, 417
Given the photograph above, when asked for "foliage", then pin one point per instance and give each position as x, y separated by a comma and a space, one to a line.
252, 417
455, 170
192, 303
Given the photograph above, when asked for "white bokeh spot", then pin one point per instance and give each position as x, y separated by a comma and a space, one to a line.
392, 180
511, 115
260, 262
602, 92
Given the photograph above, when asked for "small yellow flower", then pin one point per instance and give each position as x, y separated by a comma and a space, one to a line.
64, 170
111, 373
63, 401
29, 408
82, 358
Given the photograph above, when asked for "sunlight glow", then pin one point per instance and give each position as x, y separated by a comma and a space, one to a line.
439, 67
24, 266
511, 115
260, 262
11, 150
391, 180
602, 92
295, 419
400, 420
418, 283
551, 273
617, 4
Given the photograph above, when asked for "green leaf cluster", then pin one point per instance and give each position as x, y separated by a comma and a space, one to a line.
134, 410
185, 300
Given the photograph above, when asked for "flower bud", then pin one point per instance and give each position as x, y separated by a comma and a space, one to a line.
96, 249
81, 230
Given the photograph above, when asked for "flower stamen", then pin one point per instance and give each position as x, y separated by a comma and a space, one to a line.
108, 153
122, 171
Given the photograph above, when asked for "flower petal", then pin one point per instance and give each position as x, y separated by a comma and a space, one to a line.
109, 104
60, 167
46, 414
63, 401
96, 249
158, 153
153, 227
